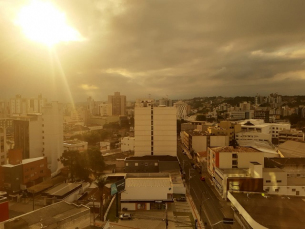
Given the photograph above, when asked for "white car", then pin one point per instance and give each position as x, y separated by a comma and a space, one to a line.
125, 216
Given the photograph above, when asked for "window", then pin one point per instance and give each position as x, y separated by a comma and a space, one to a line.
268, 181
146, 164
136, 164
279, 181
277, 189
293, 189
126, 164
156, 164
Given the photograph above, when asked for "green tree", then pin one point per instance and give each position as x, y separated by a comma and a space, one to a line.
101, 182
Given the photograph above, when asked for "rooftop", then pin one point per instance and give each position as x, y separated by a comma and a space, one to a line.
46, 216
151, 158
292, 149
237, 149
273, 211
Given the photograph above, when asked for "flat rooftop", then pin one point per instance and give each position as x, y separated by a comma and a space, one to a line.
46, 216
273, 211
63, 189
151, 158
238, 149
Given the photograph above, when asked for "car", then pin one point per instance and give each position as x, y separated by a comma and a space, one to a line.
125, 216
181, 199
202, 178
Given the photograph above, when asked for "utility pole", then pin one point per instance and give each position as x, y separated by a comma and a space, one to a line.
166, 219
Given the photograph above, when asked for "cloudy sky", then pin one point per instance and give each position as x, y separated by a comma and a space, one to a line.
179, 49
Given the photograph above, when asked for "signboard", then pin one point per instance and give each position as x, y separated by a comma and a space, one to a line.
118, 187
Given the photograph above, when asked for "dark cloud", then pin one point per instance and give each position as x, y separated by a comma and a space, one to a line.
173, 47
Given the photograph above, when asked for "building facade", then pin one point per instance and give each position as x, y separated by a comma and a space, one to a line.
117, 104
155, 131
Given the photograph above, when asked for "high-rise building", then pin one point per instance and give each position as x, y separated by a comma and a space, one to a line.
117, 104
19, 105
183, 109
155, 131
41, 134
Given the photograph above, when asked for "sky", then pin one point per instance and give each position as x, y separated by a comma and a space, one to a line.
159, 48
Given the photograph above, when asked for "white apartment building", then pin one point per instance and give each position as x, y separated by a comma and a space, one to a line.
293, 134
155, 131
41, 134
127, 144
183, 109
104, 109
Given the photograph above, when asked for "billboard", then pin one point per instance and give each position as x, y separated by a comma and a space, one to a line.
118, 187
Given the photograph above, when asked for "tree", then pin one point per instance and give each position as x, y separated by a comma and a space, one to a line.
101, 182
200, 118
95, 160
70, 160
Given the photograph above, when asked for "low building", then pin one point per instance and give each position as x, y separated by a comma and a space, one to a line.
75, 145
200, 141
127, 144
58, 215
262, 211
232, 157
147, 191
292, 134
151, 164
20, 174
4, 209
246, 180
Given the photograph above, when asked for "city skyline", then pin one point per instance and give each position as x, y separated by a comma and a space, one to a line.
159, 48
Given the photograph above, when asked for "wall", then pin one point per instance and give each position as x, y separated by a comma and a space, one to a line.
199, 143
244, 158
4, 209
219, 141
225, 160
129, 206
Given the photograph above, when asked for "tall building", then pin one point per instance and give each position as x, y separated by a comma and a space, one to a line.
41, 134
117, 104
155, 131
183, 109
19, 105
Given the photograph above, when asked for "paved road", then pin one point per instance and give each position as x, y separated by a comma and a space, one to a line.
207, 203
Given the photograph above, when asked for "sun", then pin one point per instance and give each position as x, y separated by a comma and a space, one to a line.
42, 22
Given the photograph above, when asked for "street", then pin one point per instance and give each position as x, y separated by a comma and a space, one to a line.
207, 203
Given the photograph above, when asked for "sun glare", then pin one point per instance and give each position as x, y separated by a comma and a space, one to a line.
42, 22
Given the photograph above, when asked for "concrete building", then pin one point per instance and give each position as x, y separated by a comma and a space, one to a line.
19, 174
147, 191
292, 134
232, 157
77, 145
3, 146
227, 128
127, 144
117, 104
155, 131
104, 109
200, 141
252, 135
183, 109
41, 134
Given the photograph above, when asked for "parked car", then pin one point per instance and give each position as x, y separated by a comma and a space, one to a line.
202, 178
125, 216
181, 199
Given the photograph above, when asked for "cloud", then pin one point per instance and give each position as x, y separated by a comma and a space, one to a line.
175, 48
